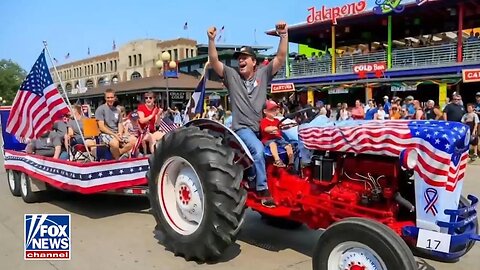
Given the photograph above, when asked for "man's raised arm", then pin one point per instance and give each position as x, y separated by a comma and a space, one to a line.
216, 64
279, 60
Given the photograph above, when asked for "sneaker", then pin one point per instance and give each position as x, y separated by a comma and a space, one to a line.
266, 198
279, 163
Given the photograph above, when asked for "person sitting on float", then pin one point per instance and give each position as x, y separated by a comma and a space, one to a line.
48, 144
148, 114
74, 134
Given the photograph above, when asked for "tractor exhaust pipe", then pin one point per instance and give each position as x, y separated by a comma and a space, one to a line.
404, 202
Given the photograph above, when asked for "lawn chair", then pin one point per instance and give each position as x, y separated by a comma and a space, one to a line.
90, 131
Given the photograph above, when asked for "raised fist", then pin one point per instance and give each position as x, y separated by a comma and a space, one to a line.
212, 33
281, 28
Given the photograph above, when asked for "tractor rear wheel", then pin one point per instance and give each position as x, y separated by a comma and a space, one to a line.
195, 193
281, 223
357, 243
13, 178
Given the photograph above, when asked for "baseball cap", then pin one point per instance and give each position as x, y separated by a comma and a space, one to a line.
271, 105
477, 94
247, 50
385, 97
134, 116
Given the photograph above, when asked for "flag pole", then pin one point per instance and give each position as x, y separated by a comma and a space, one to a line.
66, 97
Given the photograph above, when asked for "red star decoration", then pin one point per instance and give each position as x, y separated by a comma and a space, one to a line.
378, 73
362, 75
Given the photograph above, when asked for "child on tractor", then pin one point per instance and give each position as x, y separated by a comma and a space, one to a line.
272, 136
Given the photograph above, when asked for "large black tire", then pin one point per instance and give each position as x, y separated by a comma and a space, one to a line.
281, 223
355, 232
26, 192
13, 179
220, 179
427, 255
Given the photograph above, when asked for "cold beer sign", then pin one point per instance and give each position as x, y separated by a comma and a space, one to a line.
362, 69
332, 14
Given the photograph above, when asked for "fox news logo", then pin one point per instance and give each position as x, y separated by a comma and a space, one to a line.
47, 237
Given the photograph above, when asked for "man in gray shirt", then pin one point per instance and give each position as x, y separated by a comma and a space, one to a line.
48, 145
248, 93
111, 126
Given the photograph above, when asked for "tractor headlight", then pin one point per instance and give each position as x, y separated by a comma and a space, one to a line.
409, 158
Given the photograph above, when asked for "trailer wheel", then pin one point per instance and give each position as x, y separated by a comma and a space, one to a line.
281, 223
26, 192
195, 193
13, 178
357, 243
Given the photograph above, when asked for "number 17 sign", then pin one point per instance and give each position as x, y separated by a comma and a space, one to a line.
434, 241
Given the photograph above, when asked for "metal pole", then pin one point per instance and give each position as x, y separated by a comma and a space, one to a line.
334, 51
461, 13
66, 96
168, 94
389, 49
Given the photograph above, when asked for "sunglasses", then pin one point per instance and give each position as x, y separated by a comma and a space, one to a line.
148, 97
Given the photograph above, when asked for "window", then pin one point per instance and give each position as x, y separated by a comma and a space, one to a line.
104, 66
92, 71
135, 60
191, 53
170, 52
135, 75
115, 65
140, 59
98, 69
129, 60
111, 65
175, 55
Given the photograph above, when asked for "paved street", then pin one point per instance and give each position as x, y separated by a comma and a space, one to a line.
112, 232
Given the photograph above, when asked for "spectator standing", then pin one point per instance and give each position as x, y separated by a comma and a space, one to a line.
431, 112
358, 112
471, 119
454, 111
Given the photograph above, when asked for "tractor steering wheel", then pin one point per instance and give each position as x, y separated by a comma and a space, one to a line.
313, 113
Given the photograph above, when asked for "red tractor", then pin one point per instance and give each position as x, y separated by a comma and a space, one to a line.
382, 190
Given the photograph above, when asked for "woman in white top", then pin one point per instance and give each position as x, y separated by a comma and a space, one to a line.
380, 115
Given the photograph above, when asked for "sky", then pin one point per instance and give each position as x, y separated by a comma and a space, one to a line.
74, 26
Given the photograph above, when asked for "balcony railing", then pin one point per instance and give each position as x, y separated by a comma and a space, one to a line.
438, 55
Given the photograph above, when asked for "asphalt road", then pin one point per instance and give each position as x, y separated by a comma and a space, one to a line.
115, 232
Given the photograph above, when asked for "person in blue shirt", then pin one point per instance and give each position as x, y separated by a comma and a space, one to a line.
370, 114
409, 106
387, 106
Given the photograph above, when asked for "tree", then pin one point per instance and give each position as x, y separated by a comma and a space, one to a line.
11, 77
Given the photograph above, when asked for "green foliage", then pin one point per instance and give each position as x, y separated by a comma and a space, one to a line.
11, 76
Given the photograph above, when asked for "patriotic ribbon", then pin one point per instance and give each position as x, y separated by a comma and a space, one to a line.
431, 197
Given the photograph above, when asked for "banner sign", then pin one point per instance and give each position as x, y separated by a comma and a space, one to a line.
471, 75
336, 91
362, 69
282, 87
403, 88
332, 14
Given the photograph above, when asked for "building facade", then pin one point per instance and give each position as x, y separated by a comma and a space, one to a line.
134, 60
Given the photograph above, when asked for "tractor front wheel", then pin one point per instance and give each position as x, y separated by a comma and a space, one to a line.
195, 193
357, 243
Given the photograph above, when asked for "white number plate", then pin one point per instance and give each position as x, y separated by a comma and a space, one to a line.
434, 240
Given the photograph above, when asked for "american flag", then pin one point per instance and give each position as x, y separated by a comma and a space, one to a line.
442, 146
37, 104
166, 125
